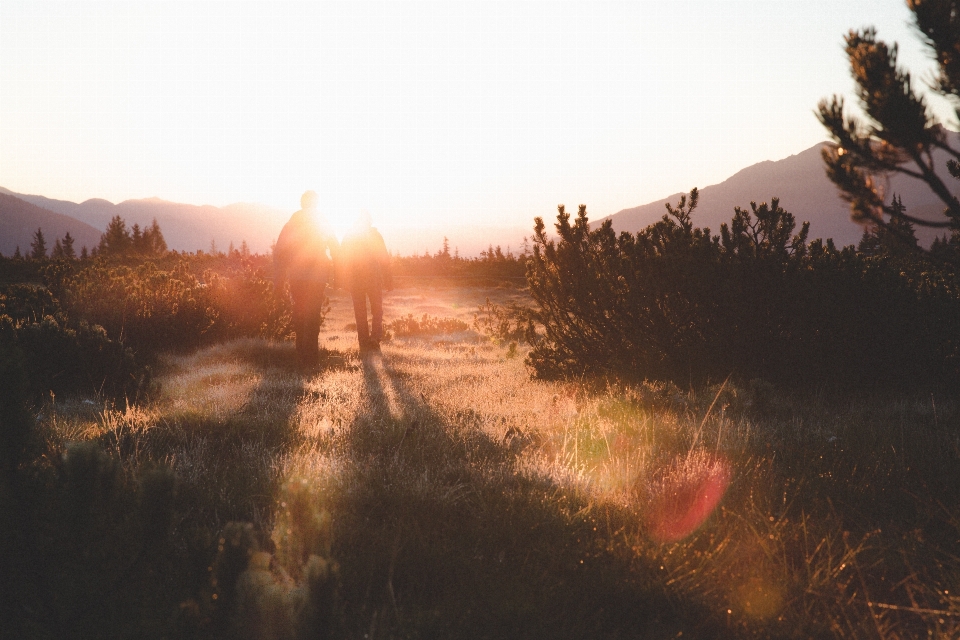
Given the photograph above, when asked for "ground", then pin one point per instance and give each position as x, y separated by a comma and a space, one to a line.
437, 490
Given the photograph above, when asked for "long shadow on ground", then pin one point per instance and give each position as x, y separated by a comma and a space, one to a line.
104, 543
440, 535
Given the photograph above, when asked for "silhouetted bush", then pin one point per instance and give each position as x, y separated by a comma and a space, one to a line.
673, 302
60, 357
426, 325
492, 263
246, 303
152, 309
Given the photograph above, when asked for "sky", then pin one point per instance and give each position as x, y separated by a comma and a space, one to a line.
427, 114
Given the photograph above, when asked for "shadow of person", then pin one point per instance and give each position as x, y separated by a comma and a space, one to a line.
439, 530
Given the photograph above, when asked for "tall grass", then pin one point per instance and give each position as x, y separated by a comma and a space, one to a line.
438, 491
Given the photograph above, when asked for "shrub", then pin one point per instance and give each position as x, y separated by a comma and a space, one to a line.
426, 325
60, 357
673, 302
246, 303
154, 310
511, 323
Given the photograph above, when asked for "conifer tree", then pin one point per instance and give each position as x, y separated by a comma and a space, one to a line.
57, 252
68, 251
137, 241
38, 248
153, 238
116, 239
898, 134
83, 253
897, 238
16, 254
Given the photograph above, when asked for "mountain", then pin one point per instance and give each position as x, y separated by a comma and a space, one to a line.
804, 190
19, 220
188, 227
185, 227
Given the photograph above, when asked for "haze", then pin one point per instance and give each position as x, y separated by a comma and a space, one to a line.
428, 114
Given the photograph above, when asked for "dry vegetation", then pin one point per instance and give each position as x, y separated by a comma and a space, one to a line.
438, 491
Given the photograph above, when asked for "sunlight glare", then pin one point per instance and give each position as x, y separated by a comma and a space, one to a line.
686, 495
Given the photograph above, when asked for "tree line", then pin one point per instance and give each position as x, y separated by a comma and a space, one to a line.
117, 240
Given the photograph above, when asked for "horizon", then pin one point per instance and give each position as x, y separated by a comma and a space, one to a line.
429, 115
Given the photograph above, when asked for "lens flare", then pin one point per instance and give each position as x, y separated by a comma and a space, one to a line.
685, 496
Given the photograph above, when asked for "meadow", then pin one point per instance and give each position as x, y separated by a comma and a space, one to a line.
437, 490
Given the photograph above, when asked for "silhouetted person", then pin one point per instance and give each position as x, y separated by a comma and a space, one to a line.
304, 256
365, 265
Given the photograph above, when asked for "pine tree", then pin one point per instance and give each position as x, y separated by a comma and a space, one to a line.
898, 134
156, 245
116, 239
38, 248
137, 240
16, 254
57, 252
897, 238
68, 251
83, 253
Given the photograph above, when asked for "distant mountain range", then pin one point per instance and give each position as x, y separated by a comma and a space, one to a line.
185, 227
799, 181
19, 220
804, 190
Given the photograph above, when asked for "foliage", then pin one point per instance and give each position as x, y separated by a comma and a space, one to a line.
60, 357
673, 302
898, 134
117, 240
145, 307
38, 247
426, 325
247, 304
154, 310
492, 263
506, 324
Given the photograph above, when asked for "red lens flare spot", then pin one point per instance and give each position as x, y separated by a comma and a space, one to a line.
685, 496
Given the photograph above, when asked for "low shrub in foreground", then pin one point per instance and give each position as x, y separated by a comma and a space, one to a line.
46, 353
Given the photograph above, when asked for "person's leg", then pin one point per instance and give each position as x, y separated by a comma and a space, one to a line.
360, 313
298, 294
376, 310
314, 316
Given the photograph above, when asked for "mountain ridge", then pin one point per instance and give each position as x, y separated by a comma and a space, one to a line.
801, 184
20, 219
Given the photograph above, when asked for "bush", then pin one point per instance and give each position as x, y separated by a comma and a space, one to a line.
154, 310
673, 302
57, 356
246, 304
426, 325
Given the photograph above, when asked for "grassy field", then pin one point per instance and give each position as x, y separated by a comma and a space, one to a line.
437, 491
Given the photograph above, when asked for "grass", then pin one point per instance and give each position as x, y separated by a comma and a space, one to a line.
438, 491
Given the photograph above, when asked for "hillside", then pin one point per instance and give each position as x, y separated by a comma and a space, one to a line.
19, 220
185, 227
804, 190
189, 227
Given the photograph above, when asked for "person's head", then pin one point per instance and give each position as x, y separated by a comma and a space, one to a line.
309, 201
363, 220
